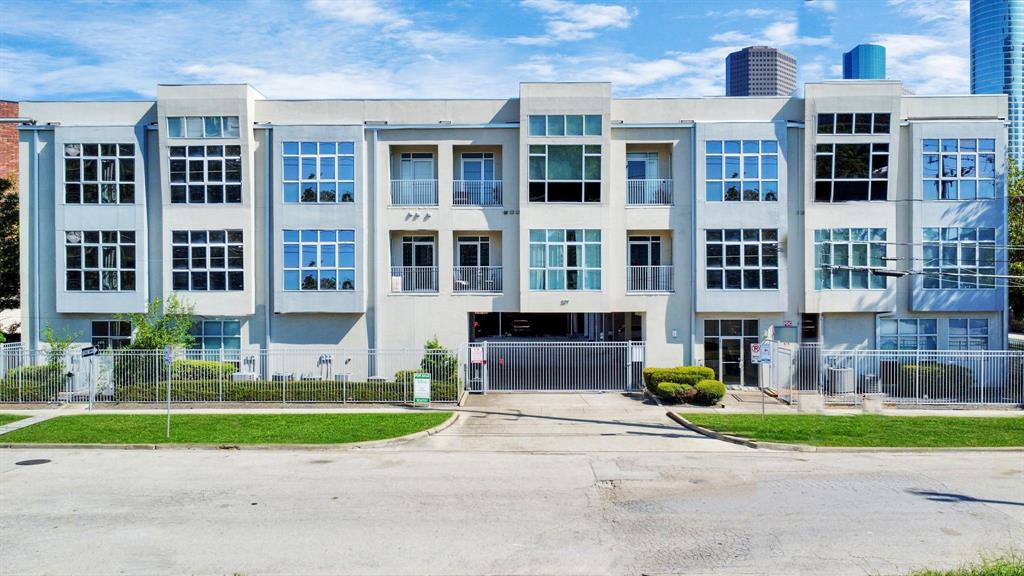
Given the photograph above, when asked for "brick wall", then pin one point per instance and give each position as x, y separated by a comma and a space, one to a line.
8, 140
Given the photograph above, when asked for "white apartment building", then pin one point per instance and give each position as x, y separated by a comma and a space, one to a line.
854, 217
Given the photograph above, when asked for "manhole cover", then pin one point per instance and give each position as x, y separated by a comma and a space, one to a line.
32, 462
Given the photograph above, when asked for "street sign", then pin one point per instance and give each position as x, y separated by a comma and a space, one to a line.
90, 351
755, 353
421, 388
476, 355
766, 353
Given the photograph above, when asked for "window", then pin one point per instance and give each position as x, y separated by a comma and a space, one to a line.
477, 166
642, 166
99, 173
968, 334
206, 174
565, 259
959, 169
217, 335
851, 172
742, 259
202, 127
319, 259
727, 350
111, 334
854, 123
565, 173
207, 260
565, 125
959, 257
99, 261
844, 259
473, 251
644, 250
741, 171
908, 334
319, 171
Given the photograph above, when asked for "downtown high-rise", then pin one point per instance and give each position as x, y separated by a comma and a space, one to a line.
997, 60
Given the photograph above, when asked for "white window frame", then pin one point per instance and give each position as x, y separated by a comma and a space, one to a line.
650, 160
875, 125
121, 242
181, 181
916, 330
763, 245
938, 275
201, 337
721, 149
589, 151
300, 185
974, 336
551, 244
479, 242
229, 270
551, 121
408, 161
108, 189
319, 241
110, 340
873, 240
482, 158
961, 150
875, 149
203, 127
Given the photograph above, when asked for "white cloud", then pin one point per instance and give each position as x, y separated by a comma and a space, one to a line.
569, 21
934, 63
823, 5
361, 12
780, 34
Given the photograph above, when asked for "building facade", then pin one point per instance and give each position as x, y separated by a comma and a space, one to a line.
856, 217
760, 71
864, 62
997, 59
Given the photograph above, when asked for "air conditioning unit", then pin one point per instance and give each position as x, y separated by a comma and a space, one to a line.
309, 376
342, 377
282, 377
243, 377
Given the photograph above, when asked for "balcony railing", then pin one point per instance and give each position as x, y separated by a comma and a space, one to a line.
414, 192
650, 192
649, 279
414, 278
476, 193
477, 278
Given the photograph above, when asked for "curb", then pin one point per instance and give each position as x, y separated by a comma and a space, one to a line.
255, 447
709, 433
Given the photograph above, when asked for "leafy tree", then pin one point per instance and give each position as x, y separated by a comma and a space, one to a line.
440, 362
1015, 237
9, 264
57, 344
164, 323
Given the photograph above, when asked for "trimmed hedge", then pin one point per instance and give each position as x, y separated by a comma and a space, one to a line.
51, 374
674, 392
202, 369
690, 375
269, 391
927, 379
709, 392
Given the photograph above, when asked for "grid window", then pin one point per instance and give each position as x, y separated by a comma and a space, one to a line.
319, 172
959, 257
908, 334
570, 173
111, 334
99, 260
99, 173
844, 258
565, 125
202, 127
968, 334
854, 123
206, 174
216, 335
742, 259
207, 260
851, 172
741, 170
565, 259
958, 169
319, 260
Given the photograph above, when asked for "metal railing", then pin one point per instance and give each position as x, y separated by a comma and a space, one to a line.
649, 192
276, 375
414, 192
476, 193
649, 279
555, 366
414, 278
476, 279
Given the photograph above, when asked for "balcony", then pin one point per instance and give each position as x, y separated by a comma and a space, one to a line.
477, 278
476, 193
421, 279
649, 192
649, 279
414, 192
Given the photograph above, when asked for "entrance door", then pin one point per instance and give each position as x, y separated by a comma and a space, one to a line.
418, 261
726, 351
731, 369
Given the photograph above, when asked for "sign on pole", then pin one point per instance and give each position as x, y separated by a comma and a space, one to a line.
90, 351
421, 388
755, 353
476, 355
766, 353
169, 360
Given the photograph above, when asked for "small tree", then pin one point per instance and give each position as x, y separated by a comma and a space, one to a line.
57, 344
1015, 237
9, 290
164, 323
440, 362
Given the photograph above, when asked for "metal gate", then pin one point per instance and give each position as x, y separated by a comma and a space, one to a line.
555, 366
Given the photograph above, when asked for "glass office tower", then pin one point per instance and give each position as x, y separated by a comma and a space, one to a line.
997, 59
864, 62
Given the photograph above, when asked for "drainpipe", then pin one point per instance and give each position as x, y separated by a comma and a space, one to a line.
268, 231
373, 230
35, 262
689, 357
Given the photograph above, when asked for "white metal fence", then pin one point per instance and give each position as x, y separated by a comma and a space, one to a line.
414, 192
476, 278
476, 193
649, 279
555, 366
649, 192
414, 278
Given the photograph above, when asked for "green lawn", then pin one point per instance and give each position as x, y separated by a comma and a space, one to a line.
8, 418
1009, 566
225, 428
869, 430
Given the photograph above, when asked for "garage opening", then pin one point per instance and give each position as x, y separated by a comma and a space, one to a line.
556, 326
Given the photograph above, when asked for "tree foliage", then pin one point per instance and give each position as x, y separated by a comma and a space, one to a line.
1015, 237
58, 344
9, 264
164, 323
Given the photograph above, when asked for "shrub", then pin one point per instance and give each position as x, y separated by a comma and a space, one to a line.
201, 370
927, 379
674, 392
48, 374
709, 392
690, 375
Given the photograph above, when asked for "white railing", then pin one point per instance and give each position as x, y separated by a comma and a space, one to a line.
476, 278
414, 278
649, 279
649, 192
414, 192
476, 193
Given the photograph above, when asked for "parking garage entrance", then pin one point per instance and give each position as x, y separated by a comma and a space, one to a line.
555, 352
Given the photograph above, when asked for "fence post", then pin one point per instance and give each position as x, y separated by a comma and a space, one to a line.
917, 374
484, 371
629, 366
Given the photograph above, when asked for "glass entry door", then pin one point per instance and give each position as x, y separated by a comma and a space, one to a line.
731, 369
727, 351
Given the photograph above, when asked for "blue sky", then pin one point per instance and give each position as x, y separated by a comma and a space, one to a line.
92, 49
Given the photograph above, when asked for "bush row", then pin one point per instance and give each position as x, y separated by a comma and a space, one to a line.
695, 384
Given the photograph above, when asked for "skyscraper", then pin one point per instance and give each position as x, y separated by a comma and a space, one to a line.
864, 62
760, 71
997, 59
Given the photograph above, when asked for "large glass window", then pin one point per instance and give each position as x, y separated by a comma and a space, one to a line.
727, 350
319, 259
854, 123
742, 259
111, 334
908, 334
99, 260
958, 169
968, 334
844, 258
851, 172
206, 174
202, 127
565, 259
565, 173
565, 125
207, 260
741, 170
99, 173
959, 257
217, 335
319, 171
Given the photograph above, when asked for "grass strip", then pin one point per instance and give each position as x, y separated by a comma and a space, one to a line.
1012, 565
8, 418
